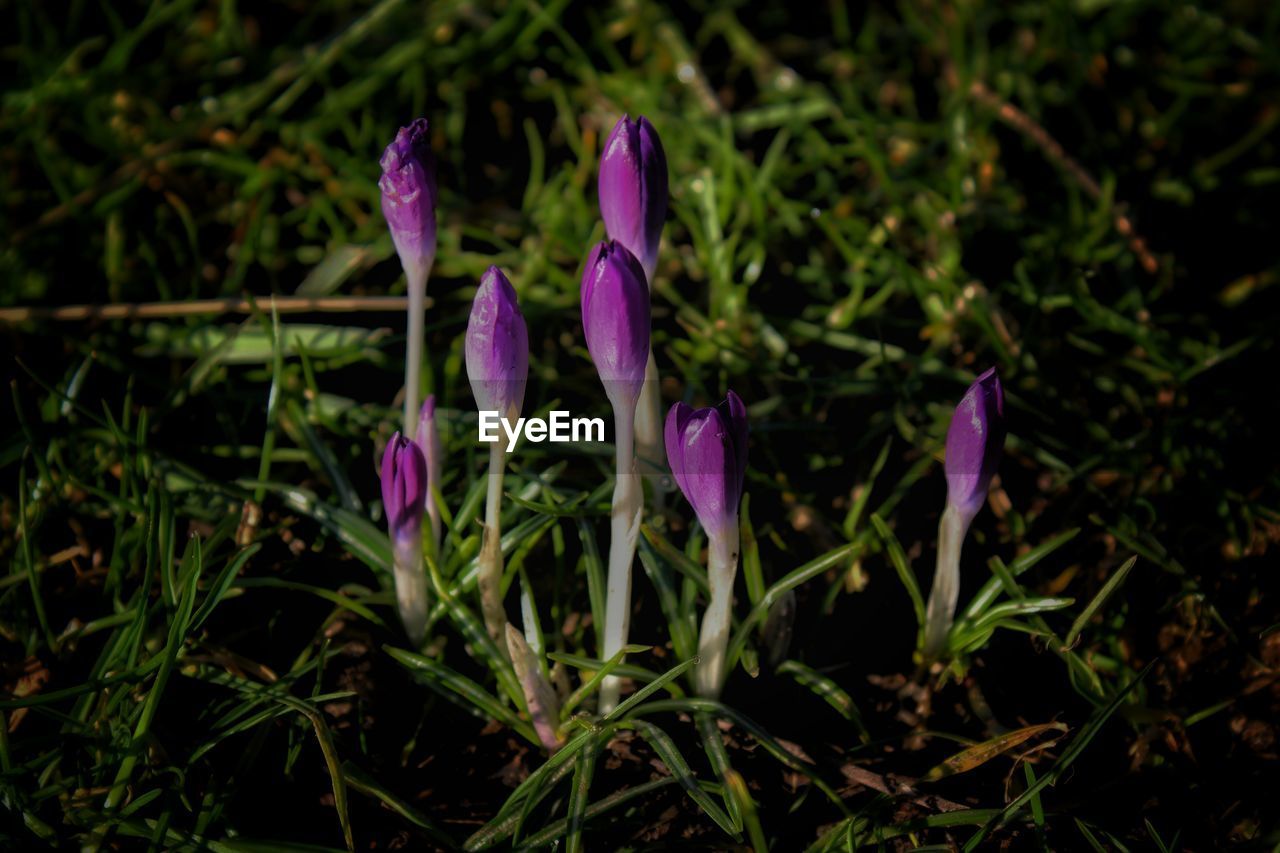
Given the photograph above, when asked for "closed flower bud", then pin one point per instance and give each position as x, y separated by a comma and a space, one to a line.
707, 451
633, 189
404, 487
975, 441
497, 347
408, 185
615, 320
404, 490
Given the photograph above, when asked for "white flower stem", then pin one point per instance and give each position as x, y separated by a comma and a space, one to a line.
417, 277
624, 527
713, 640
411, 585
489, 562
945, 592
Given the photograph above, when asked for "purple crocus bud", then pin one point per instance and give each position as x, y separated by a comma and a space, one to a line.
633, 189
408, 185
615, 320
428, 440
497, 347
707, 451
975, 440
404, 487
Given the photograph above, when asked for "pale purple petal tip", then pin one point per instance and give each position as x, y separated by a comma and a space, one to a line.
497, 346
975, 441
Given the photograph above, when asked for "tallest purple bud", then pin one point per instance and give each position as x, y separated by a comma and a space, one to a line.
633, 189
975, 441
408, 185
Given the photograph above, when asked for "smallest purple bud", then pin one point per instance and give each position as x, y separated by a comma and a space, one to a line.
404, 488
975, 441
408, 185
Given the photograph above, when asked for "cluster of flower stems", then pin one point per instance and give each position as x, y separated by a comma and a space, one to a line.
705, 450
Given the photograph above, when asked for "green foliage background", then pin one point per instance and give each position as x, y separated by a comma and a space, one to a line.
870, 204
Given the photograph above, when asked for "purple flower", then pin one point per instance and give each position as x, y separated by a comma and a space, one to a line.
408, 185
615, 319
633, 189
975, 440
497, 347
404, 487
707, 450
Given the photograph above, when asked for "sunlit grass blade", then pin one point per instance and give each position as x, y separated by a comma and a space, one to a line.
829, 692
502, 827
680, 625
991, 589
529, 792
359, 534
592, 684
360, 781
752, 571
178, 626
584, 770
1069, 754
677, 559
770, 744
1113, 583
1023, 607
559, 828
594, 569
898, 560
452, 684
627, 670
737, 788
222, 584
713, 746
791, 580
670, 755
649, 689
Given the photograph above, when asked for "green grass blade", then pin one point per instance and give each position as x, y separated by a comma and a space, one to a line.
447, 681
898, 560
578, 794
1069, 755
670, 755
1113, 583
829, 692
